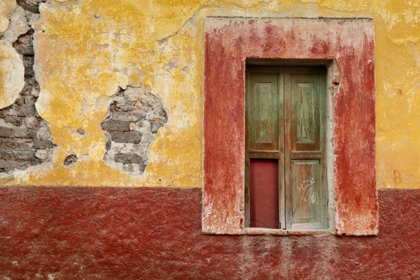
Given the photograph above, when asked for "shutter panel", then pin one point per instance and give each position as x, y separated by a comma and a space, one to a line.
263, 153
305, 183
263, 113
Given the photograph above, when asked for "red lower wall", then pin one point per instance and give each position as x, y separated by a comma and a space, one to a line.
154, 233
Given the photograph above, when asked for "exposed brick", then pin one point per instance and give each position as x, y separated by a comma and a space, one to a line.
25, 139
128, 158
17, 155
9, 165
13, 132
126, 137
16, 144
14, 120
127, 108
133, 119
42, 144
126, 117
115, 125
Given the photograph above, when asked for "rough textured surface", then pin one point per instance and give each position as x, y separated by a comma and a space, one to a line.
12, 80
86, 49
351, 44
70, 160
31, 5
6, 8
152, 233
25, 139
12, 24
131, 124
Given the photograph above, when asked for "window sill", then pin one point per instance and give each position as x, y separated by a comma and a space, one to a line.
268, 231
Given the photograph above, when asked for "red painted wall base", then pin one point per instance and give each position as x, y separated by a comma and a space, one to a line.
154, 233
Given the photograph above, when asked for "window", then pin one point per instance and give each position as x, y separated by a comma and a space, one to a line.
346, 47
285, 168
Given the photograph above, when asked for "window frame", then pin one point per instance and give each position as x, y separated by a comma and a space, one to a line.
229, 42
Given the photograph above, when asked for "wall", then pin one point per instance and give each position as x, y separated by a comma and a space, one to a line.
154, 233
63, 64
86, 50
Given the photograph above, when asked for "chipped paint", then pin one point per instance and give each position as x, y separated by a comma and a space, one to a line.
6, 8
11, 75
11, 65
86, 49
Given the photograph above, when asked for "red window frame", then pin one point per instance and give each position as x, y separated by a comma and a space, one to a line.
228, 43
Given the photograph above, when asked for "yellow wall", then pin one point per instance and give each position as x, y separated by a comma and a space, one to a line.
86, 49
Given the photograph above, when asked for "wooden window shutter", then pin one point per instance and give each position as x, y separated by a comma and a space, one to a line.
305, 166
285, 154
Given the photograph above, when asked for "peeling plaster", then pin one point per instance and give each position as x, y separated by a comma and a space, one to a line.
130, 125
25, 139
11, 75
6, 8
11, 65
86, 49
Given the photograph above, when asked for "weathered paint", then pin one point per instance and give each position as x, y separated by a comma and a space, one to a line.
11, 65
351, 44
91, 47
11, 78
154, 233
86, 49
6, 8
294, 137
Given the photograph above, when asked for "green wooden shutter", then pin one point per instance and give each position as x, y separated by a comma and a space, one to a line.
285, 125
263, 158
306, 193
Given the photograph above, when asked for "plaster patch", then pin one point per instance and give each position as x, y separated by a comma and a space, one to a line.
18, 26
11, 75
6, 7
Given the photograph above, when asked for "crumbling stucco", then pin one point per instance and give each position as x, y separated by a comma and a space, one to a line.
70, 160
86, 49
11, 76
130, 125
6, 8
12, 24
25, 139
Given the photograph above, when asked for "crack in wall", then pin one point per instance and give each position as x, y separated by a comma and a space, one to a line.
25, 138
188, 21
130, 125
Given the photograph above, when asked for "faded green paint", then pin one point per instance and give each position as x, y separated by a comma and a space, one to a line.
301, 156
304, 103
306, 191
263, 110
306, 111
306, 186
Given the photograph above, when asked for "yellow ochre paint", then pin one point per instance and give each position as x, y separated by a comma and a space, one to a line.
86, 49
